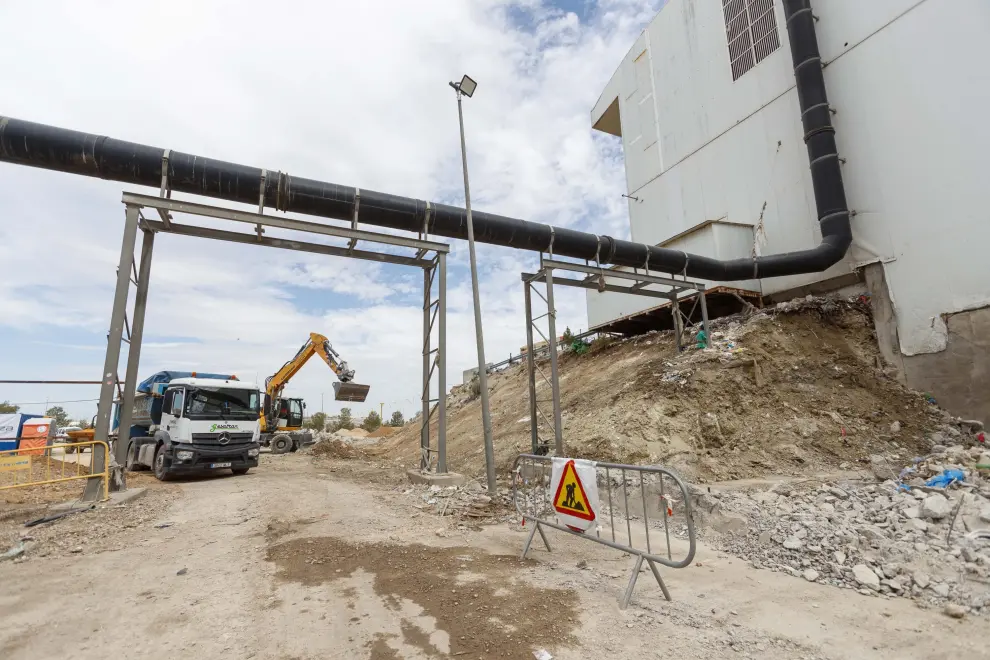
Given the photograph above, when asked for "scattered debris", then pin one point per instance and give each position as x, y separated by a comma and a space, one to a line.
182, 571
13, 552
889, 539
58, 516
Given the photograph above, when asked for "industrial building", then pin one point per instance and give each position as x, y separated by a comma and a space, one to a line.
706, 107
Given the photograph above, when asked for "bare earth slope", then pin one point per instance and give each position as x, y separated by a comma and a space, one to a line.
817, 400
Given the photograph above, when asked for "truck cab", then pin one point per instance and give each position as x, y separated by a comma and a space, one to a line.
200, 425
290, 413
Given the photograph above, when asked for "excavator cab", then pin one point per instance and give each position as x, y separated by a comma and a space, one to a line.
350, 392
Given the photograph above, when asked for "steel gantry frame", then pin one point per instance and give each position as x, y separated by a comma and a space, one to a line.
596, 278
429, 255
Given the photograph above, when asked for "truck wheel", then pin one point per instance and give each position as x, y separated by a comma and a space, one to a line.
131, 464
161, 471
69, 450
240, 471
281, 444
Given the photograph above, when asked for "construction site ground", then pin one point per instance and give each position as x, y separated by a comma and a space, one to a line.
316, 557
818, 400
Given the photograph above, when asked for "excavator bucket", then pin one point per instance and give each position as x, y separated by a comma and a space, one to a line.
350, 392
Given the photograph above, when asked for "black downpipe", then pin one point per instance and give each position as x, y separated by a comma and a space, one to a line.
48, 147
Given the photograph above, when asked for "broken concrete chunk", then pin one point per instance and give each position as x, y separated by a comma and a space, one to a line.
838, 492
921, 579
941, 590
881, 467
936, 507
792, 543
955, 611
810, 575
866, 577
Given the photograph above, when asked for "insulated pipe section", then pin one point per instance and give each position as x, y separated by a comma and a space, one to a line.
48, 147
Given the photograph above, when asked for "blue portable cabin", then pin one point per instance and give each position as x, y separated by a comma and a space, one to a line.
10, 429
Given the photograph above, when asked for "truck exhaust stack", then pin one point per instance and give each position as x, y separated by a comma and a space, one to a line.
350, 392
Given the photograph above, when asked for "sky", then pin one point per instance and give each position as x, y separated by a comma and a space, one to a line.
352, 93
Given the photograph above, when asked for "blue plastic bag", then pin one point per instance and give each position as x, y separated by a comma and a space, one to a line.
946, 478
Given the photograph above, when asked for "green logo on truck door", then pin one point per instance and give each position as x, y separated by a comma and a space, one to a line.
223, 427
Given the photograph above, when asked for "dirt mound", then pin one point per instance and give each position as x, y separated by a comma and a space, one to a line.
797, 389
333, 449
383, 432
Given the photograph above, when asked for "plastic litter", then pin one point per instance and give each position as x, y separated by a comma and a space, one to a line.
702, 339
542, 654
947, 477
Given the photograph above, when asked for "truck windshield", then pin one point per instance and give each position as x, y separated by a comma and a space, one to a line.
222, 403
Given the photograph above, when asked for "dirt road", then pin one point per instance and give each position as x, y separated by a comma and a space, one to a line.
296, 561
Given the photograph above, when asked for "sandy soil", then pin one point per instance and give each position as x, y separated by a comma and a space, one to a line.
295, 561
820, 399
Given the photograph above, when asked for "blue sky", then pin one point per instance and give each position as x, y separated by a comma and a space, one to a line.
353, 94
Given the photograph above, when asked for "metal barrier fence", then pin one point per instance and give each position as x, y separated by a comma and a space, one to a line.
663, 532
38, 466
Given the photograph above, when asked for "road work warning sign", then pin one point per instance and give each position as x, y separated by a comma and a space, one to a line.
575, 487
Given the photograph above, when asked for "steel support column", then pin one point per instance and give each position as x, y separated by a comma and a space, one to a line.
531, 369
424, 431
704, 317
108, 382
134, 350
434, 362
558, 429
675, 312
442, 363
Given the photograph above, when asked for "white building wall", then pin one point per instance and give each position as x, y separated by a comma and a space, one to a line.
908, 80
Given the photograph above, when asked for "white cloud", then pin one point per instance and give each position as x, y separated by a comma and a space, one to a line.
354, 93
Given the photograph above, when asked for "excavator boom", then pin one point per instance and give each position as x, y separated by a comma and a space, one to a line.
344, 390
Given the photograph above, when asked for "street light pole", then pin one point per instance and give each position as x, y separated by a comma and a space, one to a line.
467, 86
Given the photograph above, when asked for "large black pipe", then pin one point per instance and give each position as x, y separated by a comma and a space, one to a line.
38, 145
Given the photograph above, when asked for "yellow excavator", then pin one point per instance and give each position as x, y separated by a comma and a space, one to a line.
282, 418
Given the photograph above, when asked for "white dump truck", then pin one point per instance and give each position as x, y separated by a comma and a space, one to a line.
187, 423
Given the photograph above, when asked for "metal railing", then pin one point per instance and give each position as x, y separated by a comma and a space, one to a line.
541, 351
38, 466
660, 506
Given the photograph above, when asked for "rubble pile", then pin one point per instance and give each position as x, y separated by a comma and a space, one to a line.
468, 501
799, 388
900, 537
333, 448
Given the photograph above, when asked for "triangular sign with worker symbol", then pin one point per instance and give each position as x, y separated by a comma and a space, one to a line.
570, 498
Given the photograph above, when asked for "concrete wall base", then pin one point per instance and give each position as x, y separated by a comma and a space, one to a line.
959, 376
445, 479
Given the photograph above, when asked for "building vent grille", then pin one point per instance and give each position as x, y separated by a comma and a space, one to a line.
751, 30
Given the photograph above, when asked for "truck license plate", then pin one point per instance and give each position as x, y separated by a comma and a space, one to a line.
219, 465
